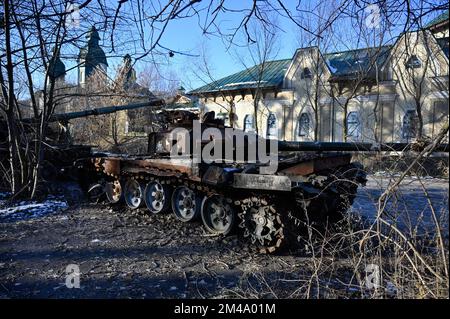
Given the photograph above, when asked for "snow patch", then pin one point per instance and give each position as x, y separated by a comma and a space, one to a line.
4, 195
32, 209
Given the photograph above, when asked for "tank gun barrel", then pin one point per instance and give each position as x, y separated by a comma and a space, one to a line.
102, 110
352, 147
323, 146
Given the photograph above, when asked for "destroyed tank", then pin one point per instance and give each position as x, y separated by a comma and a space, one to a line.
312, 183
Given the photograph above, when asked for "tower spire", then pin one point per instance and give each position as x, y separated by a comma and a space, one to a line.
91, 57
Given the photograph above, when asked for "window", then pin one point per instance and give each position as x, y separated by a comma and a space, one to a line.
249, 124
136, 121
409, 125
306, 74
413, 62
353, 125
304, 125
272, 127
81, 79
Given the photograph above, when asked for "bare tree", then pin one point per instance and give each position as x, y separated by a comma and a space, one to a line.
203, 70
44, 27
264, 47
316, 18
33, 31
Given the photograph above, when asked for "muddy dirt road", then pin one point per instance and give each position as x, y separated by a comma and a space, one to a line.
123, 254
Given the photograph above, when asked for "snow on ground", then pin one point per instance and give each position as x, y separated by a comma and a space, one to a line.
4, 195
30, 209
409, 207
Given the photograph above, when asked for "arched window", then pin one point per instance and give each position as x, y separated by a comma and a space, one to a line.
272, 127
353, 125
409, 125
413, 62
306, 74
304, 125
249, 123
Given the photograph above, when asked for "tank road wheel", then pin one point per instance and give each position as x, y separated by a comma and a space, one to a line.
261, 224
186, 204
157, 197
113, 191
218, 214
96, 191
133, 194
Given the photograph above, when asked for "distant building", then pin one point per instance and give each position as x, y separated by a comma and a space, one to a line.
182, 101
95, 88
369, 94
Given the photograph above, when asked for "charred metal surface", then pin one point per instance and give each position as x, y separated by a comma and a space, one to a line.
216, 175
262, 182
162, 167
111, 167
316, 165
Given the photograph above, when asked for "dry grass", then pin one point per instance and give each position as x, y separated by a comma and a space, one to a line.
390, 256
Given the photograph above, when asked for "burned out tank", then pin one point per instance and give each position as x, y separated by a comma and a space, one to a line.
311, 183
203, 171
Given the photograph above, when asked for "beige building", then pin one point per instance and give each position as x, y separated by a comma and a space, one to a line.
392, 93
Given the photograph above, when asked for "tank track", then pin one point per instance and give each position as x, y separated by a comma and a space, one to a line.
269, 221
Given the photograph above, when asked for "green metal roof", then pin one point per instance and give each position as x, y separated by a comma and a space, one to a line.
440, 18
271, 76
342, 65
355, 62
56, 67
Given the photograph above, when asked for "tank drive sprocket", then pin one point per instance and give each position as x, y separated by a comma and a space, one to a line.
261, 224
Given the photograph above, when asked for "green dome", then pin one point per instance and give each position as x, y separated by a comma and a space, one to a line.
56, 67
92, 53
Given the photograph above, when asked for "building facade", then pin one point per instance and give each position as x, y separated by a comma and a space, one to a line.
94, 89
393, 93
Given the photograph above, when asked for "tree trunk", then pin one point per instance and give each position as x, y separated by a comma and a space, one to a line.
18, 171
255, 110
419, 132
316, 124
344, 125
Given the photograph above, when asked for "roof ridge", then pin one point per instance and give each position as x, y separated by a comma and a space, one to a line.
360, 49
277, 60
255, 65
438, 19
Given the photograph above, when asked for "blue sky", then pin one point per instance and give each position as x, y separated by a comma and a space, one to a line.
186, 36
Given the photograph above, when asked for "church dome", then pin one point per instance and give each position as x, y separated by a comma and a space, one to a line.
56, 67
92, 53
